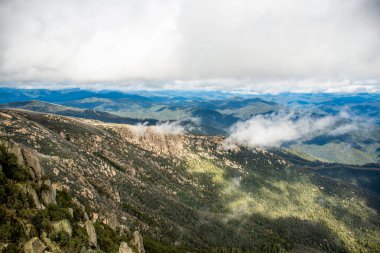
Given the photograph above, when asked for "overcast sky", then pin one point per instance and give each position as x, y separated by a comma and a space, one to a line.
272, 45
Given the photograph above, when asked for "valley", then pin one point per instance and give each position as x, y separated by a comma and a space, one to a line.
193, 193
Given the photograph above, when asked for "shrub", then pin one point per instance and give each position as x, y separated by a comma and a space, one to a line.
10, 168
56, 213
108, 240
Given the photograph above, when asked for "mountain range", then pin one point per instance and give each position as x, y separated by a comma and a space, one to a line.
184, 192
214, 113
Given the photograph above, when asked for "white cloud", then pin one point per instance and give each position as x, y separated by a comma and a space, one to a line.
139, 129
169, 128
162, 128
276, 129
300, 45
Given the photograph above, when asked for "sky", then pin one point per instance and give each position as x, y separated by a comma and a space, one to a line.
248, 45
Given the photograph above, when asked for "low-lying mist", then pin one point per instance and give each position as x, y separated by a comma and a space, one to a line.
279, 128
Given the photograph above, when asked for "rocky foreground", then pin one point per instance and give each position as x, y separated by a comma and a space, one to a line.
34, 195
181, 192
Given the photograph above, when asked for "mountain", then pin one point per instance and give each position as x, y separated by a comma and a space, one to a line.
189, 193
214, 113
40, 106
38, 216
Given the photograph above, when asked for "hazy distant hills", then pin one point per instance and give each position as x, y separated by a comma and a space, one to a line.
39, 106
214, 113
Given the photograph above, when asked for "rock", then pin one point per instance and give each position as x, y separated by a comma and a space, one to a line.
92, 240
137, 241
53, 247
95, 217
71, 211
34, 245
29, 230
124, 248
32, 164
111, 221
16, 150
62, 226
76, 201
32, 193
48, 194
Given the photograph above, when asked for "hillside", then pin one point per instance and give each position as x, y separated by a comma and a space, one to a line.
38, 216
40, 106
216, 113
187, 192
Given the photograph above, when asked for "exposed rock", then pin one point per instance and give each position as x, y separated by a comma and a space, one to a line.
124, 248
15, 149
32, 193
71, 211
137, 241
92, 240
34, 245
62, 225
95, 217
76, 201
111, 221
32, 164
29, 228
53, 247
48, 194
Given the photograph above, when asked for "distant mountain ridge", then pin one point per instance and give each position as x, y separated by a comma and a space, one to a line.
215, 112
40, 106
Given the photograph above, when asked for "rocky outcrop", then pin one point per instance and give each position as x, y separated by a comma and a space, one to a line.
25, 157
137, 241
28, 230
34, 245
111, 220
52, 246
92, 239
76, 201
48, 193
32, 193
32, 164
62, 226
15, 149
124, 248
29, 190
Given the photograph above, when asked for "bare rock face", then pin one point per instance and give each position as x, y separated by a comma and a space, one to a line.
62, 226
53, 247
32, 164
137, 241
48, 194
124, 248
34, 245
33, 194
111, 221
76, 201
28, 230
92, 239
16, 150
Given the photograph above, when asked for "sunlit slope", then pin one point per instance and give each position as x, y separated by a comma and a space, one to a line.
188, 191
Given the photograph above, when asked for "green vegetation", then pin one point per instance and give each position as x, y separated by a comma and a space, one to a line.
15, 203
183, 193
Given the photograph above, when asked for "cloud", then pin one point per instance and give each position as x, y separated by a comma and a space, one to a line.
277, 129
169, 128
219, 44
139, 129
162, 128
